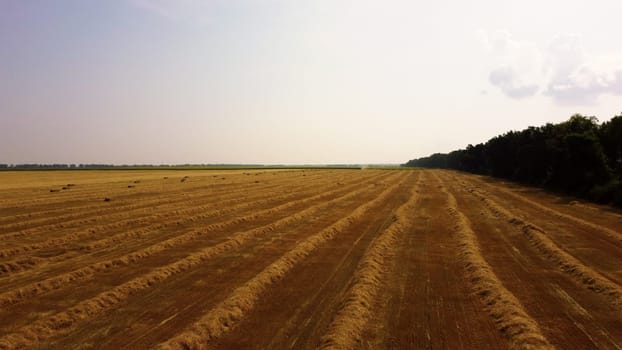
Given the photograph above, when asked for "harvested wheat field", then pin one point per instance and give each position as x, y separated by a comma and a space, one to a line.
302, 259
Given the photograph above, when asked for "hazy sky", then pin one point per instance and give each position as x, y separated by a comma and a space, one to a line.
287, 81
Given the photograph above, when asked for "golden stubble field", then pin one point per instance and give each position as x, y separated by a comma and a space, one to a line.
302, 259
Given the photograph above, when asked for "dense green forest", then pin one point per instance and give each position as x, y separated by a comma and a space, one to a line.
579, 157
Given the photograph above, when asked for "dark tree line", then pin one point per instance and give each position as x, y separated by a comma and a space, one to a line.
579, 157
54, 166
36, 166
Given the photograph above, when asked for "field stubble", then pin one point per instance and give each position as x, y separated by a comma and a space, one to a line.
333, 259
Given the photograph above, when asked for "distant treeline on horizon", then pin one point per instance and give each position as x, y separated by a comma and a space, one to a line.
100, 166
579, 157
35, 166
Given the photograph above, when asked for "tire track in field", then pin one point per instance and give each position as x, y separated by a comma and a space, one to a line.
581, 273
179, 216
592, 248
302, 304
427, 302
269, 227
184, 298
39, 199
41, 330
230, 206
124, 203
346, 329
18, 265
61, 281
120, 224
104, 229
504, 308
127, 201
80, 197
100, 212
120, 211
86, 191
26, 264
229, 312
575, 220
571, 316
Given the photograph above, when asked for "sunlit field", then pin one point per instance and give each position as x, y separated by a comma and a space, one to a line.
302, 259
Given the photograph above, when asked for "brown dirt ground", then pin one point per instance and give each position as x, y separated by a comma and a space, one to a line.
77, 272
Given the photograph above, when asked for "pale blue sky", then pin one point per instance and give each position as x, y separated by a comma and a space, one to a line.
286, 81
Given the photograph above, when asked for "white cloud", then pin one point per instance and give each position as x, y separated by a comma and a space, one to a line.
511, 84
563, 71
573, 77
517, 65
